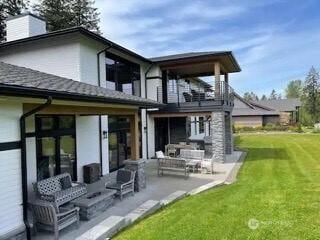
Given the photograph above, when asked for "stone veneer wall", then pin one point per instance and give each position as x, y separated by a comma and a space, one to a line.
228, 134
218, 136
139, 167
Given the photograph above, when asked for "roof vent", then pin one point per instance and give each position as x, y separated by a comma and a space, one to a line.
24, 25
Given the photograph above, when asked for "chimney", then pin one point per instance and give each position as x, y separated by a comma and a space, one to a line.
24, 25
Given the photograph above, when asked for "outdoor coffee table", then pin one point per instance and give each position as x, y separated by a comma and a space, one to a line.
93, 203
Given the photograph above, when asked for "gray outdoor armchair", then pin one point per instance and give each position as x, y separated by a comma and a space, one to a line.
49, 217
124, 183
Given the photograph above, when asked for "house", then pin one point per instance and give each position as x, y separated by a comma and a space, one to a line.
288, 109
260, 113
71, 97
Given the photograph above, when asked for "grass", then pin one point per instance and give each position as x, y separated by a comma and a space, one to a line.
278, 188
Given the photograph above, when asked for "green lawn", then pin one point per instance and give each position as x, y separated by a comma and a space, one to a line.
278, 188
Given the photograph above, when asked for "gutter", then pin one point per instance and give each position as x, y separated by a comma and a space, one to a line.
24, 161
100, 122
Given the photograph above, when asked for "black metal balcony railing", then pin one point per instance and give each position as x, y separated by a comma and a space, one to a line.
182, 93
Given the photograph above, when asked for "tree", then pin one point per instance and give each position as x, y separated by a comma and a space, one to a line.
311, 94
85, 15
10, 8
56, 12
61, 14
250, 96
264, 97
273, 95
294, 89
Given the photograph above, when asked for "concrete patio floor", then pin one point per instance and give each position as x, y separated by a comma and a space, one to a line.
157, 189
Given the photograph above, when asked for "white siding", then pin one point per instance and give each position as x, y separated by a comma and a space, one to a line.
105, 146
151, 137
10, 113
59, 56
88, 151
10, 170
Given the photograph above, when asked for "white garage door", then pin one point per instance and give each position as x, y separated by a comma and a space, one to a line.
11, 216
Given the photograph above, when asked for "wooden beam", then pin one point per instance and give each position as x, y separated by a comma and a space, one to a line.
134, 131
80, 110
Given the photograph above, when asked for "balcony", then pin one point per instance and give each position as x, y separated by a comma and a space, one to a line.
180, 95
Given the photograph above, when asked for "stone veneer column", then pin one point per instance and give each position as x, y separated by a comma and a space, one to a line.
229, 134
139, 167
218, 136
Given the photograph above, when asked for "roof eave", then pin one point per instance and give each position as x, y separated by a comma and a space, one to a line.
229, 54
76, 30
18, 91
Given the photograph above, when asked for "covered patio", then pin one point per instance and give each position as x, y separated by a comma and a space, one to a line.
158, 188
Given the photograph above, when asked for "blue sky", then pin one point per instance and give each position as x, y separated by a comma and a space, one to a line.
274, 41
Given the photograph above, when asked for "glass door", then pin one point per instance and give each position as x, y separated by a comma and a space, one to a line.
67, 146
56, 146
119, 149
113, 151
46, 159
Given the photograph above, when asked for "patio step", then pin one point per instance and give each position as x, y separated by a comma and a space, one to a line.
205, 187
173, 197
143, 210
104, 229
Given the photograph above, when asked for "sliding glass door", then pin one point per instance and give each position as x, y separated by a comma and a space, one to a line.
119, 142
56, 146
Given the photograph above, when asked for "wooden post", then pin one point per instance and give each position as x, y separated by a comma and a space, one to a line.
217, 80
134, 131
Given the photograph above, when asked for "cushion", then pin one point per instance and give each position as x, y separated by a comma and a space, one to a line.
65, 183
49, 186
159, 154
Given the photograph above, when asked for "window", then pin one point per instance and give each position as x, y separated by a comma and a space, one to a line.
56, 146
122, 75
201, 125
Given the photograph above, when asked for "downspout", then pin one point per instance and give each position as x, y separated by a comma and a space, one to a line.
100, 124
24, 172
146, 96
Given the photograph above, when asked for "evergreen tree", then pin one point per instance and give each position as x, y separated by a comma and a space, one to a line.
294, 89
85, 15
273, 95
61, 14
10, 8
311, 94
56, 12
250, 96
264, 97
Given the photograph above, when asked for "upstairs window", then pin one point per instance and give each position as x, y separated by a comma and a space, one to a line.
122, 75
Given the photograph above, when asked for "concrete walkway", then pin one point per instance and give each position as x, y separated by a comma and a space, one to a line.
158, 188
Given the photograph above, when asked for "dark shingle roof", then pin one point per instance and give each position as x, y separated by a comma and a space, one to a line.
14, 77
252, 109
282, 105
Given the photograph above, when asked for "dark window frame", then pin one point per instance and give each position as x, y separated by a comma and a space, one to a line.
131, 65
56, 133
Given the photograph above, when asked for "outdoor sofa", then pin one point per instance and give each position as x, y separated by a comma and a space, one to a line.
171, 164
59, 189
